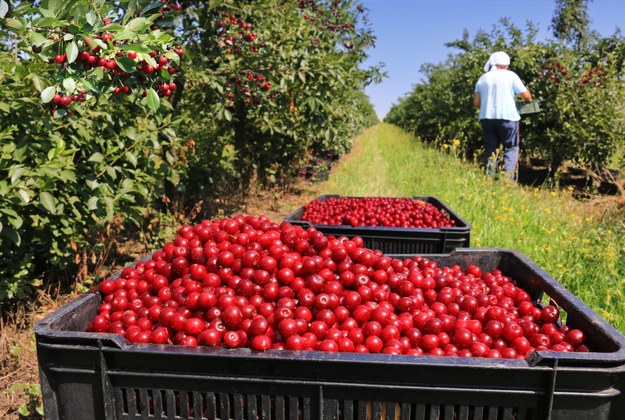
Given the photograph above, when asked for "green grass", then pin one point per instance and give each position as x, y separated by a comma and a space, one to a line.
575, 243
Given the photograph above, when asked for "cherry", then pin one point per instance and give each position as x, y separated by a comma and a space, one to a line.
261, 343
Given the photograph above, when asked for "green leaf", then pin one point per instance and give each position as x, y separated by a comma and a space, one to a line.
4, 8
172, 56
69, 84
8, 148
130, 10
37, 38
220, 112
84, 133
45, 12
153, 100
114, 27
24, 195
138, 48
227, 114
153, 5
98, 73
166, 22
56, 7
126, 64
68, 175
37, 83
47, 201
96, 157
13, 23
71, 51
169, 157
87, 84
131, 158
110, 206
99, 43
4, 188
91, 17
92, 183
110, 170
149, 60
48, 94
14, 219
92, 204
138, 24
5, 107
17, 173
125, 36
46, 22
131, 133
13, 235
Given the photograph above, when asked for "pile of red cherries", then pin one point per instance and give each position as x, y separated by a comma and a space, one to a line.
376, 211
248, 282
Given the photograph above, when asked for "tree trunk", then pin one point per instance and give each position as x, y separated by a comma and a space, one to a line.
241, 139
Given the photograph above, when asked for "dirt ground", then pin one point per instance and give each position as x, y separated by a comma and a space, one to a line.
18, 359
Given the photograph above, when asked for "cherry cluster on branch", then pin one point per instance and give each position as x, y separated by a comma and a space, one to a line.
107, 60
555, 72
235, 36
329, 18
595, 77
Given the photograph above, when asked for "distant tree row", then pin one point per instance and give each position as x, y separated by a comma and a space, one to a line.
577, 78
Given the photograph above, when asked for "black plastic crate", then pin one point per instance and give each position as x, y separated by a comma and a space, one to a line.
103, 376
396, 240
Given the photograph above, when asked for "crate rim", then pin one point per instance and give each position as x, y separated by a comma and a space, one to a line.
466, 226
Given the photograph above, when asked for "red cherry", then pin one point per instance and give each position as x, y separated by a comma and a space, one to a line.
261, 343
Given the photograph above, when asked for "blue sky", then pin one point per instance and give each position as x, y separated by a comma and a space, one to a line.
411, 33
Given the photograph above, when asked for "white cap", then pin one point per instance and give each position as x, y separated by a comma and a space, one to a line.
498, 58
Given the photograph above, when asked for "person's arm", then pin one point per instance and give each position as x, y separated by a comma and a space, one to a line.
526, 96
476, 99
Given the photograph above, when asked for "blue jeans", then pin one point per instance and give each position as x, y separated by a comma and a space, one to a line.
496, 133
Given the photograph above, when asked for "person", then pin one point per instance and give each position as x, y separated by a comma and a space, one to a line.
495, 96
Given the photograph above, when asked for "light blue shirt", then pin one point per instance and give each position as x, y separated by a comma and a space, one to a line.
498, 90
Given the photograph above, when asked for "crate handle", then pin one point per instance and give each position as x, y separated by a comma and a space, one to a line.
108, 397
551, 389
